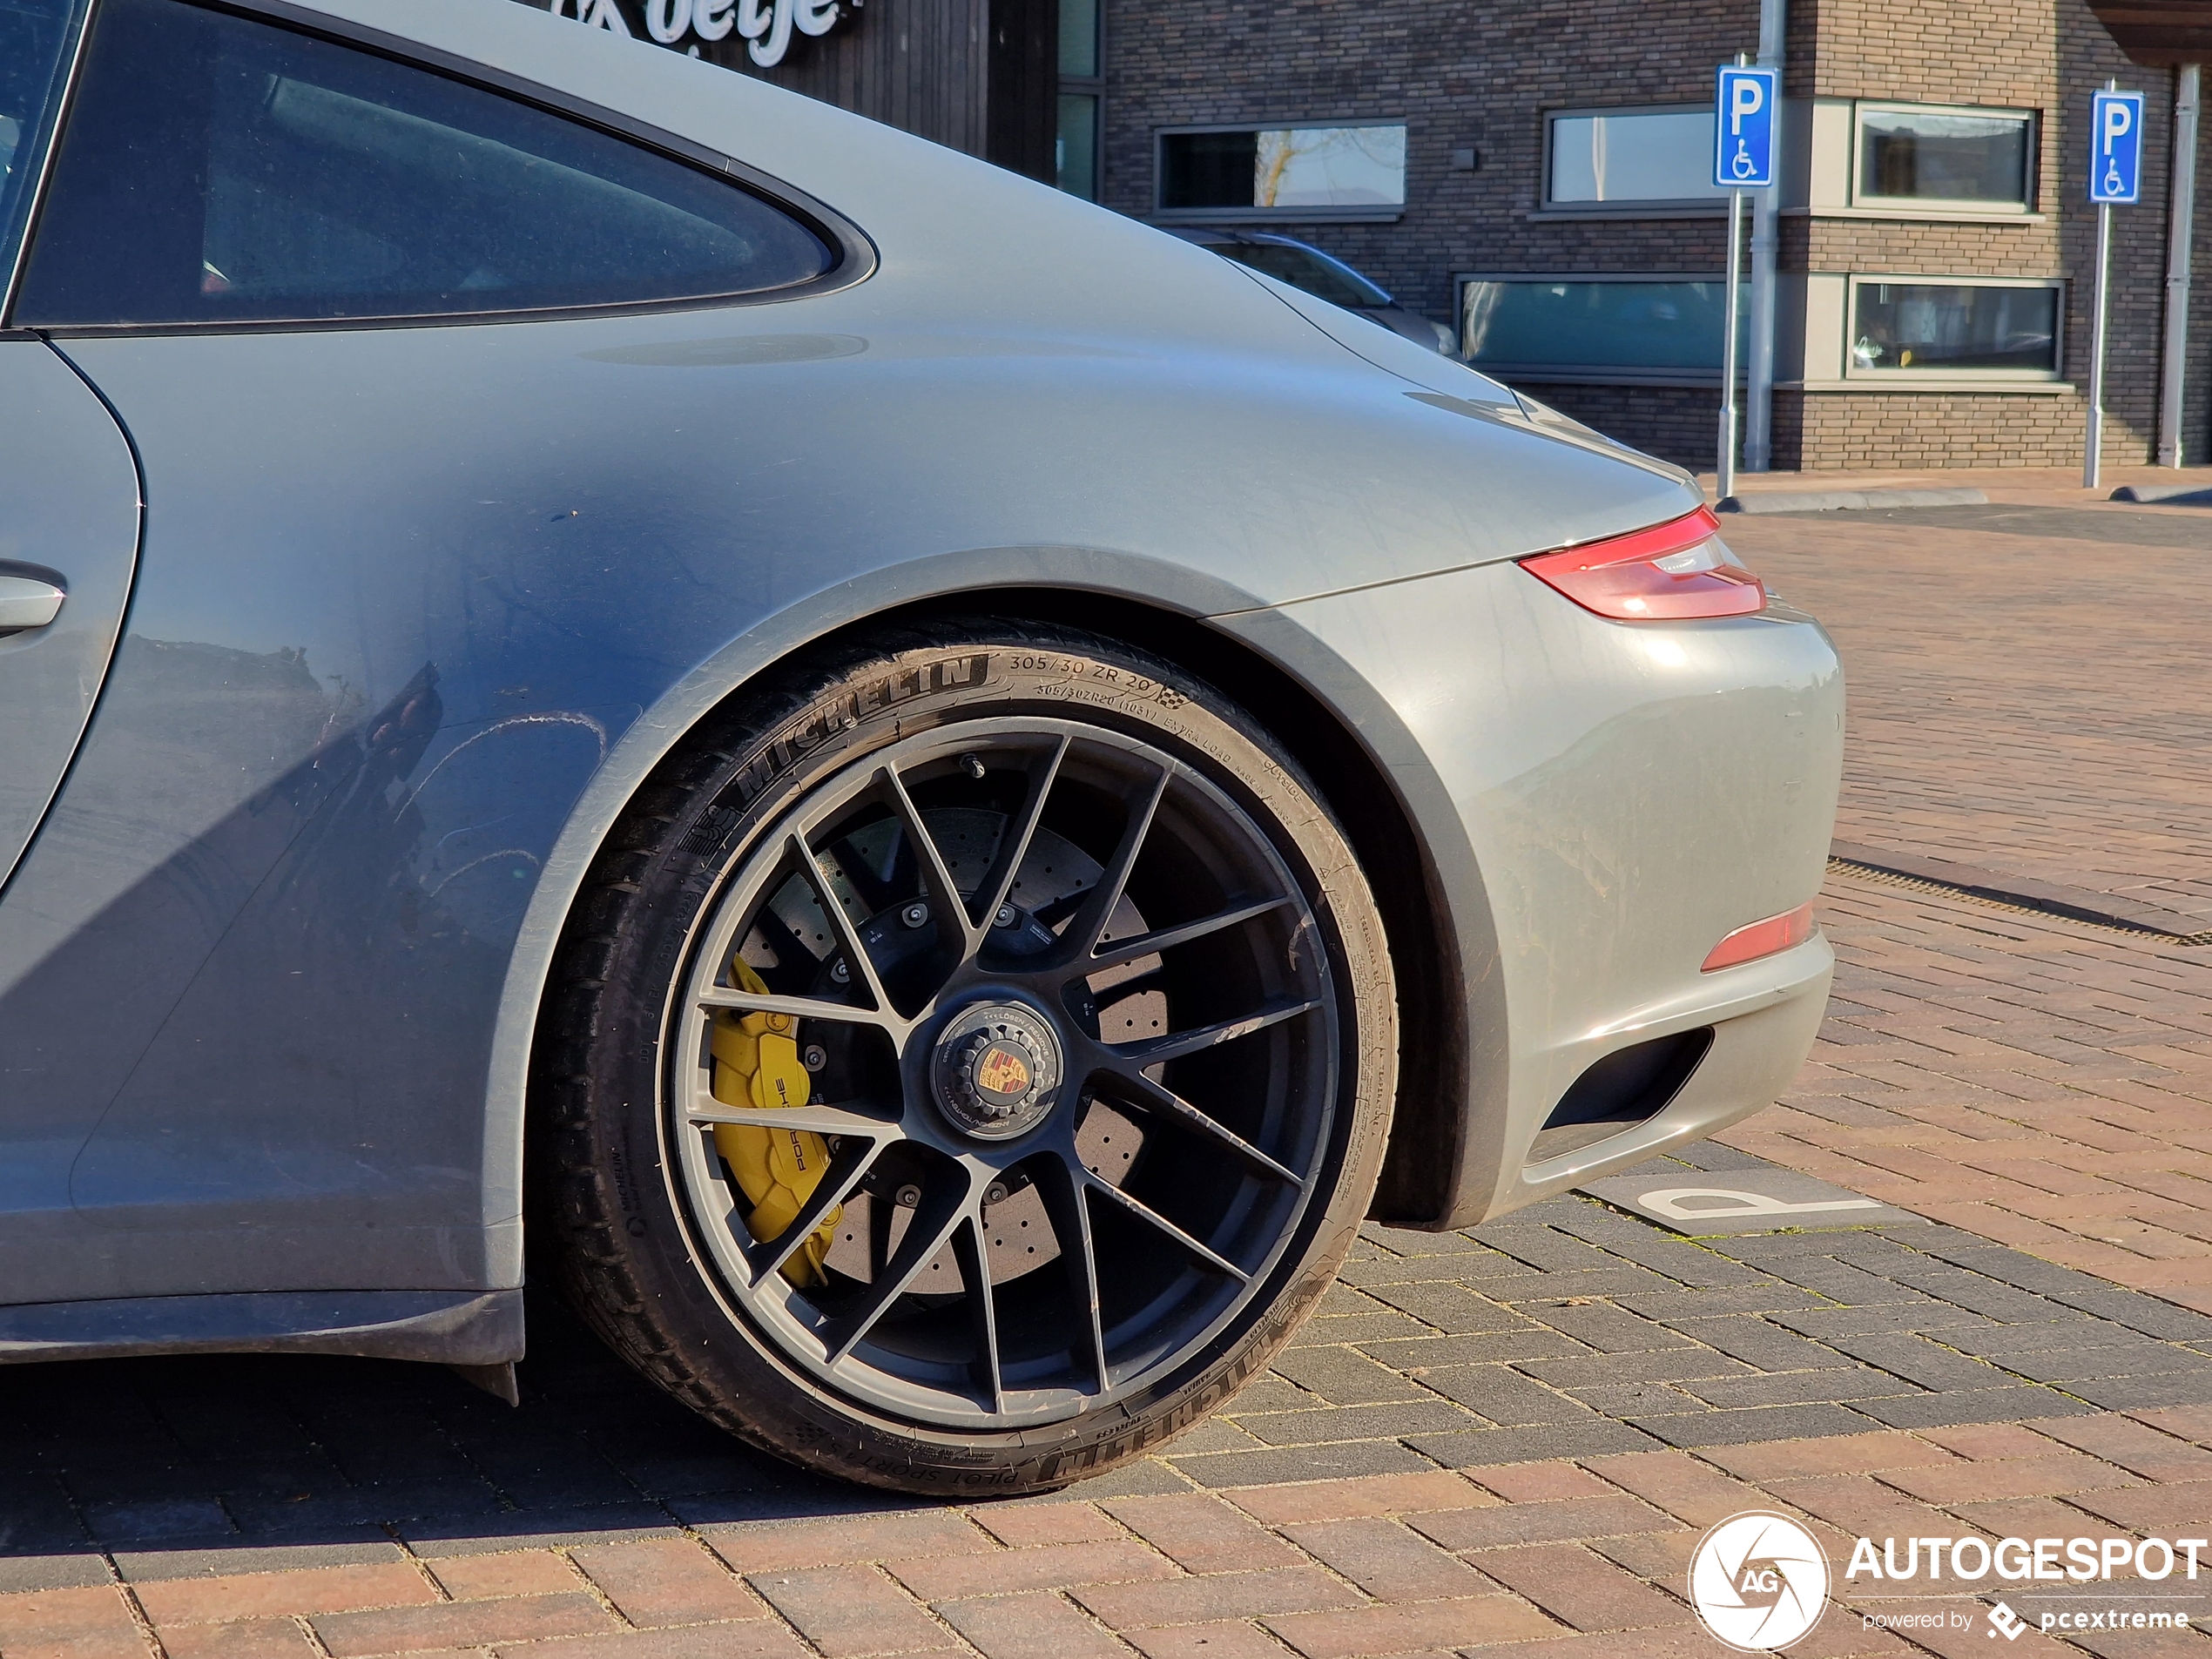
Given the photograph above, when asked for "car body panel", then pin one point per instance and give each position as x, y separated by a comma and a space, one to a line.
595, 506
421, 607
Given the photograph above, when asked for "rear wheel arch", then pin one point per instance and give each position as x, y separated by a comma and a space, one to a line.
622, 1251
1436, 1054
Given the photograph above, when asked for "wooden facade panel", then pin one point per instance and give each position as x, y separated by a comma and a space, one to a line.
920, 66
2158, 31
923, 66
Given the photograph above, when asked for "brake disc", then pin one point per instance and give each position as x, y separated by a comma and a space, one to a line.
1054, 873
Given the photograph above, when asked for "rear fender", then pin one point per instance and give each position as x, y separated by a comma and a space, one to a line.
1432, 1126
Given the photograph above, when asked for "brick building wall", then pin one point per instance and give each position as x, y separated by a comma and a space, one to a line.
1460, 73
1682, 423
2048, 56
1837, 429
1482, 74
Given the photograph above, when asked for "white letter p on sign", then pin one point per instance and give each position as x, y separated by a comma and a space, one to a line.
1746, 97
2118, 119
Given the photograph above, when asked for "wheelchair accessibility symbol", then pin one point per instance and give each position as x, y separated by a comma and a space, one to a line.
1744, 111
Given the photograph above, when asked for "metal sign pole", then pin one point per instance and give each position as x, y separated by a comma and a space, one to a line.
1766, 231
2181, 230
1727, 470
2096, 454
2115, 177
1743, 116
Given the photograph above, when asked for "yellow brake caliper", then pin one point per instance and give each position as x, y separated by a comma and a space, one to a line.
757, 1064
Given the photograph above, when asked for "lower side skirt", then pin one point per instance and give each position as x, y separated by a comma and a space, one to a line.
442, 1327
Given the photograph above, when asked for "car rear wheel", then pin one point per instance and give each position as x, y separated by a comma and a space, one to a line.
969, 1061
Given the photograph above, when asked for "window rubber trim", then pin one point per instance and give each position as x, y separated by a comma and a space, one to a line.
856, 257
52, 137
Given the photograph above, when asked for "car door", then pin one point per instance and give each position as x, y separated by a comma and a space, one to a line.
69, 535
406, 576
69, 491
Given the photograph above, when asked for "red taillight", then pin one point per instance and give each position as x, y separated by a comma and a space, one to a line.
1669, 573
1762, 938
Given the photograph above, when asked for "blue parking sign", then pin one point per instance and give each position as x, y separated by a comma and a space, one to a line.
2116, 148
1743, 110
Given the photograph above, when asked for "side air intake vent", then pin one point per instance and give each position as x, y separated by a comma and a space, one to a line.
1620, 1091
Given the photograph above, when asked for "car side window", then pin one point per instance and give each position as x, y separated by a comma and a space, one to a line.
218, 169
34, 37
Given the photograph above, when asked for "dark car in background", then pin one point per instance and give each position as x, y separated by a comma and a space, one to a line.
1307, 269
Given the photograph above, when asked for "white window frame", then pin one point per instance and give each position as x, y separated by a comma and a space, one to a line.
2030, 184
1984, 379
1650, 208
1591, 374
1373, 214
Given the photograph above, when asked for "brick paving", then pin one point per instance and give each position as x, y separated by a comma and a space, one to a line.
1509, 1440
1507, 1437
2034, 1081
2029, 703
2032, 706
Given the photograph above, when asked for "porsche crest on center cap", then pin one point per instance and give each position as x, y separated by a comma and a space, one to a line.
996, 1070
1002, 1075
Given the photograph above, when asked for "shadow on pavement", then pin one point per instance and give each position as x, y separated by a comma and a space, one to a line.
241, 1463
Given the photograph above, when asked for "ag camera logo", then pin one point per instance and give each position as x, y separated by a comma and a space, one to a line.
1759, 1582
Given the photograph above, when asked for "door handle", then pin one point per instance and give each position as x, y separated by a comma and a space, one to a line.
25, 601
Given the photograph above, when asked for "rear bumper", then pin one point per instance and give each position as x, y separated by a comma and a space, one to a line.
1604, 802
1760, 1035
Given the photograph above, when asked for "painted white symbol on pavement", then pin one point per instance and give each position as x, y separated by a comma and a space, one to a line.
1667, 1202
1759, 1582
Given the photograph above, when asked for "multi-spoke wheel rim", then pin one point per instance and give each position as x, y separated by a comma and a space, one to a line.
999, 1261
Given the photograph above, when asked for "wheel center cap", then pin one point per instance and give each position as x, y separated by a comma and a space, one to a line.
995, 1071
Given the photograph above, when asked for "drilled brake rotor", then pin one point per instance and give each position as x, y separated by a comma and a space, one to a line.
1054, 875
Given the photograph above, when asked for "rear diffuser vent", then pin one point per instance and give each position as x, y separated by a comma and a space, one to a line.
1628, 1087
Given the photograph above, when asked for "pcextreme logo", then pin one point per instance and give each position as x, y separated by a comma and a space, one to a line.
1759, 1582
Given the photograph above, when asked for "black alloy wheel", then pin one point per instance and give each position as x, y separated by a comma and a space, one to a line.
1088, 1043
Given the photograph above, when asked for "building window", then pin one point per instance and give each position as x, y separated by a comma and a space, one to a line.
1283, 172
1655, 329
1639, 157
1918, 328
1969, 159
1082, 89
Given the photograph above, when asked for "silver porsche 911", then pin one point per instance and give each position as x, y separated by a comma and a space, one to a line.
936, 790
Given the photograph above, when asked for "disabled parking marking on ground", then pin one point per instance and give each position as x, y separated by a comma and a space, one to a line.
1736, 1202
